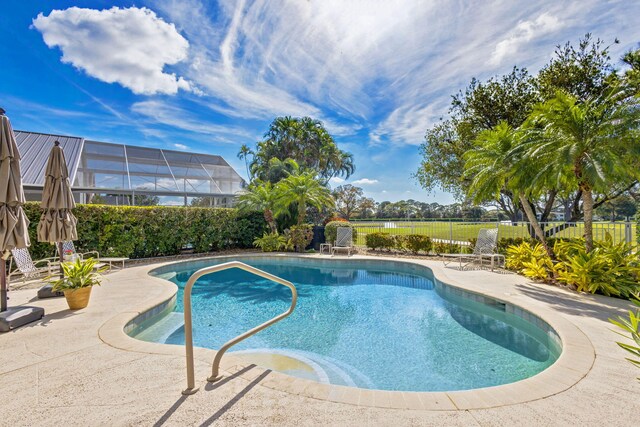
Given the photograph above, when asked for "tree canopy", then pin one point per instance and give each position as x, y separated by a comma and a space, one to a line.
583, 73
304, 140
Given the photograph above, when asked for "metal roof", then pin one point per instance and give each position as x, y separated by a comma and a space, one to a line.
114, 167
34, 151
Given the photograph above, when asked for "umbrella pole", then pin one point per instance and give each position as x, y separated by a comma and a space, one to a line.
3, 285
61, 256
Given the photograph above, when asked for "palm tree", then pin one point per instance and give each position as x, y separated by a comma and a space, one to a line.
265, 197
496, 163
593, 145
306, 141
243, 154
303, 189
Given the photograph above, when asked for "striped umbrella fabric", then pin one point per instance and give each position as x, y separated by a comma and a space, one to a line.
57, 222
14, 225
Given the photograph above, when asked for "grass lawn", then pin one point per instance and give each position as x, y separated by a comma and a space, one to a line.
462, 231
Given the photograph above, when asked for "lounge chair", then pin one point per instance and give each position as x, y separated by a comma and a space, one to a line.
344, 240
27, 268
485, 248
69, 246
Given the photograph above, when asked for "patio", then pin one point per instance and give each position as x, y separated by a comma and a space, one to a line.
79, 368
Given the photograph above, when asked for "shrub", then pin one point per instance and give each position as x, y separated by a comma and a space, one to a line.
416, 243
530, 260
270, 242
610, 268
380, 241
334, 218
299, 236
331, 230
449, 248
147, 231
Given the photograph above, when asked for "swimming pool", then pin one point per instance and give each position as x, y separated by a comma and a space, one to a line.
365, 323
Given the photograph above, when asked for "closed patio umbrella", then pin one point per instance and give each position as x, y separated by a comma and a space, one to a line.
57, 222
13, 224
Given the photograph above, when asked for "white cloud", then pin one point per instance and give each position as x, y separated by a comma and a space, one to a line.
349, 64
523, 33
129, 46
336, 181
181, 147
365, 181
170, 115
407, 124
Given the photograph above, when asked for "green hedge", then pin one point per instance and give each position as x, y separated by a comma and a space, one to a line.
413, 243
149, 231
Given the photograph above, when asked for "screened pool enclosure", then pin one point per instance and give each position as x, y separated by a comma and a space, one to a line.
122, 174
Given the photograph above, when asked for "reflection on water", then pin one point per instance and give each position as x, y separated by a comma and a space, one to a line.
499, 333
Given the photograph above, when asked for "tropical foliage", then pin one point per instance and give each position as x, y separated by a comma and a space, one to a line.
591, 145
610, 268
266, 198
79, 274
270, 242
304, 190
631, 326
578, 104
307, 142
299, 236
530, 260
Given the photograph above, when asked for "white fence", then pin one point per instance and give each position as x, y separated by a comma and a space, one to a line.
459, 232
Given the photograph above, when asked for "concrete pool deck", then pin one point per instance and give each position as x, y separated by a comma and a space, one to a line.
79, 368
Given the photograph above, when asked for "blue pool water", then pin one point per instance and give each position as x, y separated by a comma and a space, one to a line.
379, 325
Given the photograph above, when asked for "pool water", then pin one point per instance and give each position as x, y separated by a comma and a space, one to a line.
377, 325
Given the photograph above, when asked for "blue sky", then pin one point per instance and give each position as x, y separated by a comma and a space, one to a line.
208, 76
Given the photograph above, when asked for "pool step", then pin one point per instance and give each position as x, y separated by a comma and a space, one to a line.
161, 330
320, 368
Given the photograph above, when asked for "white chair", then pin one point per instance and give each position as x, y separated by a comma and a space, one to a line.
27, 268
344, 240
485, 247
69, 246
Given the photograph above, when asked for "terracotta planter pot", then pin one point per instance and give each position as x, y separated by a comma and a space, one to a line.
78, 298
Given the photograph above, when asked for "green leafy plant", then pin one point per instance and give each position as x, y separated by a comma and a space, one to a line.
529, 260
331, 230
79, 274
610, 268
151, 231
299, 236
271, 242
631, 325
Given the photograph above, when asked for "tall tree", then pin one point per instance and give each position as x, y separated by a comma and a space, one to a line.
303, 189
594, 143
492, 167
584, 71
306, 141
349, 199
244, 154
482, 106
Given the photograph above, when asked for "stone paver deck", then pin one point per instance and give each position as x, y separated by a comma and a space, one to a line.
79, 368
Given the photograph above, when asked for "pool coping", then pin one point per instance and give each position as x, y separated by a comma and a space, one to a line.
575, 361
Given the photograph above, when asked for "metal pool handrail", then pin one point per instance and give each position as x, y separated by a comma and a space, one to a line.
188, 330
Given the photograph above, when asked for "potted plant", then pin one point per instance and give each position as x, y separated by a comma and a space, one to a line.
79, 277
